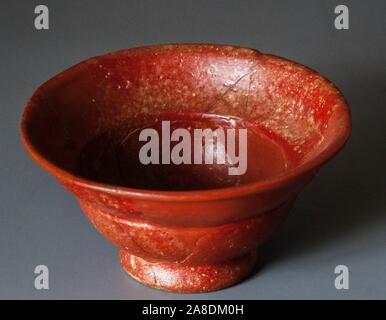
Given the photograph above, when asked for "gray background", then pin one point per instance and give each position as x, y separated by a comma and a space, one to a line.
339, 219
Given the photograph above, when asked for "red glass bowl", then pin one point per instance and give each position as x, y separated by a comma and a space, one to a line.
184, 239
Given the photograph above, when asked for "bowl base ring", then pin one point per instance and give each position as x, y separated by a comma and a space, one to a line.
177, 277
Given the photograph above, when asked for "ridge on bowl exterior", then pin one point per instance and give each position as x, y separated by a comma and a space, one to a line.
186, 241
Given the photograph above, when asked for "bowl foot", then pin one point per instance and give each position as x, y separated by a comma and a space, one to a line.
177, 277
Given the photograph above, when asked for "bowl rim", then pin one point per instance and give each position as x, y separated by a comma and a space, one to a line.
275, 182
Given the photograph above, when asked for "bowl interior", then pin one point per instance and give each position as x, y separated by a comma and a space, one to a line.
87, 120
